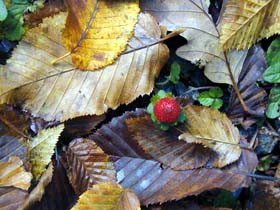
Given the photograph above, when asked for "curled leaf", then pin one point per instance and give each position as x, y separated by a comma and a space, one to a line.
13, 174
108, 196
88, 165
214, 130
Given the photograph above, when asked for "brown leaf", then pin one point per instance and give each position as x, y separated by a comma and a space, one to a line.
115, 140
11, 198
154, 184
164, 146
60, 92
59, 194
109, 196
13, 174
254, 96
88, 165
96, 32
214, 130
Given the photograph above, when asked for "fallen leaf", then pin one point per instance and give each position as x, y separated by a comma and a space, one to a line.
59, 194
253, 96
164, 146
42, 149
109, 196
60, 92
13, 174
202, 35
11, 198
214, 130
88, 165
243, 23
96, 32
154, 184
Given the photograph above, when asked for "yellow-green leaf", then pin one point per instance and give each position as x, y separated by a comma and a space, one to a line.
244, 22
12, 173
42, 149
214, 130
108, 196
97, 31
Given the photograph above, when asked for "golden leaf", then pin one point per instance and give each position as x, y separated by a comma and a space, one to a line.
96, 32
12, 173
42, 149
214, 130
107, 196
59, 92
244, 22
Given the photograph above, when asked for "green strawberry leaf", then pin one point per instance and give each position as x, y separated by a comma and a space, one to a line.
217, 103
272, 73
3, 11
273, 52
211, 98
272, 110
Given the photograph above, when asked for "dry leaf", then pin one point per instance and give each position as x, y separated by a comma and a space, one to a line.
204, 124
107, 196
11, 198
42, 149
96, 32
88, 165
13, 174
164, 146
245, 22
61, 92
59, 194
202, 36
37, 193
154, 184
253, 96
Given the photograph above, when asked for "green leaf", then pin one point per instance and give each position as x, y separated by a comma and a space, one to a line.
264, 163
272, 110
3, 11
273, 52
211, 98
272, 73
175, 73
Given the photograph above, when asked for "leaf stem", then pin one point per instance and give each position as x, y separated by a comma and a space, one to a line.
60, 58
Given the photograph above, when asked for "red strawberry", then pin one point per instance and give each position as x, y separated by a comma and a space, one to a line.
167, 110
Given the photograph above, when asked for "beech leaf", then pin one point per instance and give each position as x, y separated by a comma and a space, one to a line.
202, 35
214, 130
42, 149
165, 147
107, 196
8, 202
60, 92
88, 165
13, 174
96, 32
247, 21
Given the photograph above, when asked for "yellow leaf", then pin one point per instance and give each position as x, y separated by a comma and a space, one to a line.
42, 149
107, 196
60, 92
12, 173
97, 31
244, 22
214, 130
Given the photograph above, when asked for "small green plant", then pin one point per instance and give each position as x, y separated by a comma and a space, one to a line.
264, 163
272, 75
211, 98
174, 75
165, 111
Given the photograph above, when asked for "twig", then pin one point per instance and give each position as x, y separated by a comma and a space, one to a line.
11, 126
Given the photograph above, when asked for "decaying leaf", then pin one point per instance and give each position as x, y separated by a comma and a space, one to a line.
253, 96
96, 32
154, 184
11, 198
59, 194
88, 165
60, 92
246, 21
165, 147
107, 196
42, 149
37, 193
204, 124
202, 35
13, 174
